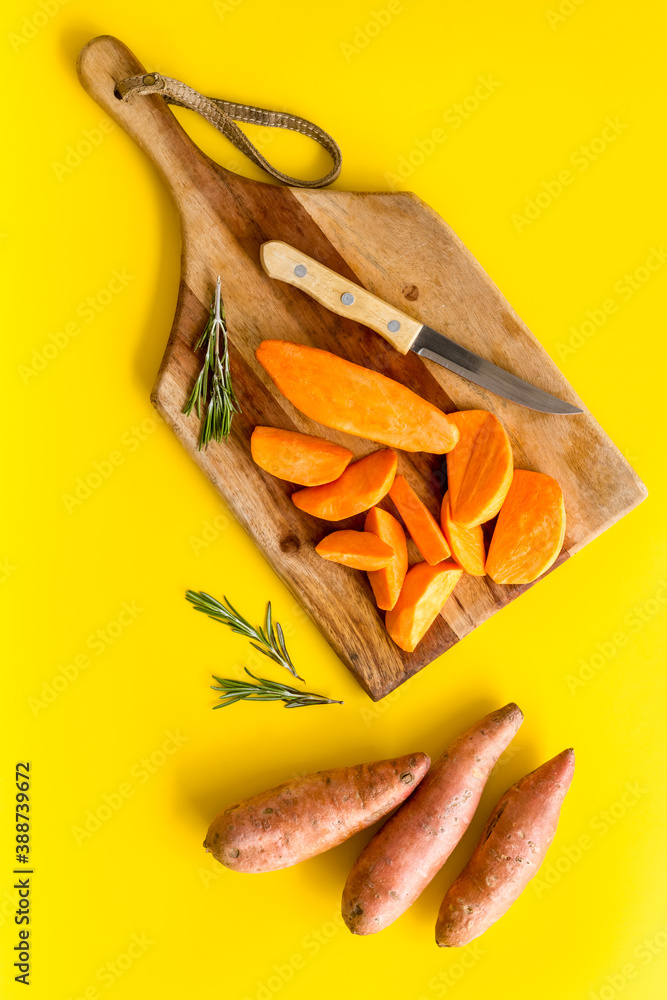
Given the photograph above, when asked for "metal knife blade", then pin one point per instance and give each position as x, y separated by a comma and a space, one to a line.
436, 347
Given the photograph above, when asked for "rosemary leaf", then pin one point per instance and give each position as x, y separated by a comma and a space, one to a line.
266, 690
268, 640
219, 403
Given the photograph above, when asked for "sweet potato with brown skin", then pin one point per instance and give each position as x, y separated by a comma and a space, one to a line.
362, 485
530, 529
387, 582
509, 854
308, 815
419, 521
479, 468
412, 846
298, 458
467, 544
422, 598
347, 397
356, 549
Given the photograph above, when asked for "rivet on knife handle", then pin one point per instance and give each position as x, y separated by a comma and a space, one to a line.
341, 296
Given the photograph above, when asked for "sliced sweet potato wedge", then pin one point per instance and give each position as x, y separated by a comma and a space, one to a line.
421, 600
479, 468
467, 544
356, 549
419, 521
362, 485
529, 531
299, 458
340, 394
469, 423
387, 582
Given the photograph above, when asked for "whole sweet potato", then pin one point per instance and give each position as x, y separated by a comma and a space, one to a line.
308, 815
411, 847
510, 852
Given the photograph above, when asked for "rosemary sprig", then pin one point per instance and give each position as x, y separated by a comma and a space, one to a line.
266, 691
220, 402
270, 638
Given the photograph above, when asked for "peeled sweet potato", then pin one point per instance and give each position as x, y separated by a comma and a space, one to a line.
412, 846
421, 600
357, 400
306, 816
298, 458
512, 847
479, 468
419, 521
387, 582
356, 549
529, 531
362, 485
467, 544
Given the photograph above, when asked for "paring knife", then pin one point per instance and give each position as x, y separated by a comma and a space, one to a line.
404, 333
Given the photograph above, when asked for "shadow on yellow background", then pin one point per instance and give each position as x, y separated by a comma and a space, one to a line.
112, 707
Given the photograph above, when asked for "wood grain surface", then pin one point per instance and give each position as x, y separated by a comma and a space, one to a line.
401, 250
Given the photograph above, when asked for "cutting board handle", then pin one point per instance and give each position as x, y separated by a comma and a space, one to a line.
102, 64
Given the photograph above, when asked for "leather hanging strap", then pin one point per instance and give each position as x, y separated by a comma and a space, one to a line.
223, 114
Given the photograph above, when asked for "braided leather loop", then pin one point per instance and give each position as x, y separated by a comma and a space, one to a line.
223, 114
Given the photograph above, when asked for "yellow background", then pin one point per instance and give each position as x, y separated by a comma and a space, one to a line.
155, 526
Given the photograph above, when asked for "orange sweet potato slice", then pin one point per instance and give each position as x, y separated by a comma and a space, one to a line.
387, 582
529, 531
356, 549
298, 458
419, 521
467, 544
357, 400
362, 485
479, 468
422, 598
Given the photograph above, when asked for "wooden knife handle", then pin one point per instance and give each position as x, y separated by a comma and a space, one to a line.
341, 296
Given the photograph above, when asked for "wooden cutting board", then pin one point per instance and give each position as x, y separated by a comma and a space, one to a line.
400, 249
